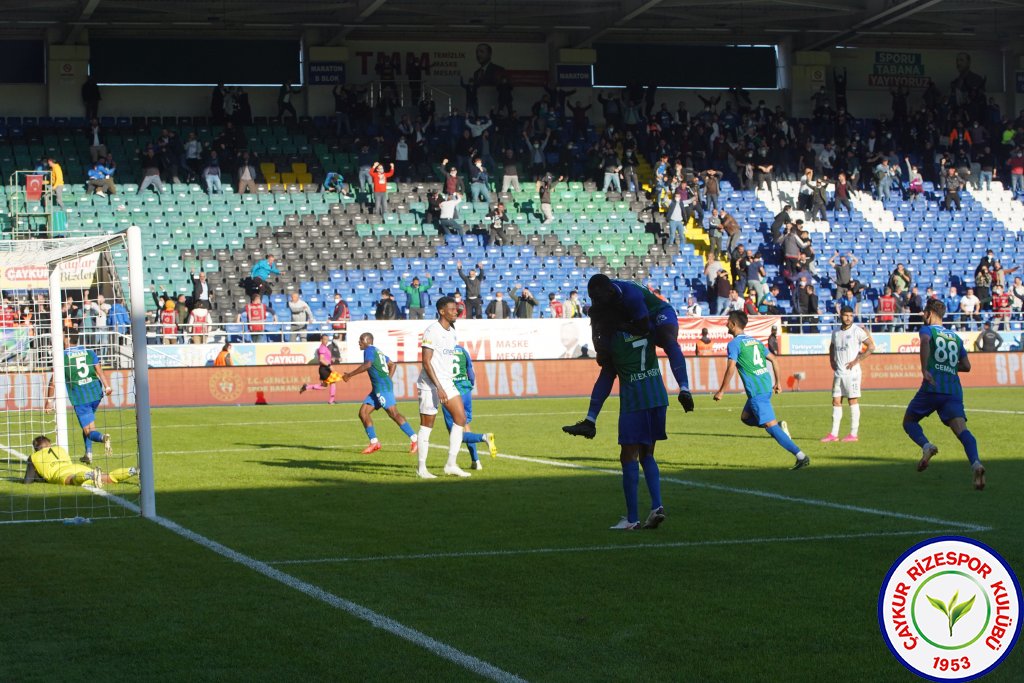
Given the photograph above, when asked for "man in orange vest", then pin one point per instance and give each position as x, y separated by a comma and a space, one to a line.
256, 316
169, 323
704, 345
886, 311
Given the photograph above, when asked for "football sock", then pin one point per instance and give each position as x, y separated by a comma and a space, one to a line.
783, 440
652, 475
837, 417
471, 446
96, 435
667, 336
854, 418
630, 484
916, 433
472, 437
334, 391
122, 473
423, 446
970, 445
602, 388
371, 432
407, 430
313, 387
454, 444
88, 443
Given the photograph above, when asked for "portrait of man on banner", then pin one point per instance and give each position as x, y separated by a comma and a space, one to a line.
487, 73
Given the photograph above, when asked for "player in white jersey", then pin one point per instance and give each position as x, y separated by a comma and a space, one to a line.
437, 388
850, 345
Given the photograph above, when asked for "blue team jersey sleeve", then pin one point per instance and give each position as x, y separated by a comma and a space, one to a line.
469, 369
733, 349
633, 301
368, 354
91, 355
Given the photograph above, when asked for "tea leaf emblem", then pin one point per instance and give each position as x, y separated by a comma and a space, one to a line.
954, 612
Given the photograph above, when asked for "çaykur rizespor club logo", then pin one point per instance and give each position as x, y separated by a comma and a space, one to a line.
949, 609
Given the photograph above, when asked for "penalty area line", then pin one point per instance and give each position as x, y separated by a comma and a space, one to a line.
963, 526
603, 548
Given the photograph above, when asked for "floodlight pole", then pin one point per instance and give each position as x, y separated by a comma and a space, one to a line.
147, 500
60, 390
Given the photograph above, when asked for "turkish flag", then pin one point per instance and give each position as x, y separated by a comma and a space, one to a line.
34, 188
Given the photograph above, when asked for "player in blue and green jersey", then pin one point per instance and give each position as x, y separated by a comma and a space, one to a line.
465, 379
943, 356
750, 357
640, 311
380, 368
87, 385
642, 406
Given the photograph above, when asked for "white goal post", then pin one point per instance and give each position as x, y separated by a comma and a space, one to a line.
90, 290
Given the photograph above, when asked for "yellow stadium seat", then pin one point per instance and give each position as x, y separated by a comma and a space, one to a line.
288, 178
299, 168
272, 178
267, 168
304, 178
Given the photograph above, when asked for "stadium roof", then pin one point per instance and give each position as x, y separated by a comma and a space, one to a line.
39, 252
808, 24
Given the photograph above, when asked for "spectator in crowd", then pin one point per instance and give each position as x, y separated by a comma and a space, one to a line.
1017, 299
884, 176
302, 315
554, 305
730, 227
474, 305
247, 174
510, 172
498, 219
193, 157
733, 302
712, 189
380, 186
756, 275
1001, 307
819, 199
773, 341
844, 271
284, 101
260, 274
387, 309
693, 309
99, 182
544, 187
792, 245
334, 182
809, 308
739, 262
612, 168
970, 308
781, 220
498, 309
953, 186
524, 302
899, 282
1015, 165
415, 292
211, 174
199, 323
201, 290
989, 340
721, 290
56, 181
572, 307
460, 305
952, 301
983, 286
768, 304
91, 97
848, 300
842, 197
447, 225
478, 182
97, 141
676, 228
340, 315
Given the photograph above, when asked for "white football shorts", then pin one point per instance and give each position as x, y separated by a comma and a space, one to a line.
846, 384
430, 401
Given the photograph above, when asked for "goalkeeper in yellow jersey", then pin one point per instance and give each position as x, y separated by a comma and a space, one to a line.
52, 464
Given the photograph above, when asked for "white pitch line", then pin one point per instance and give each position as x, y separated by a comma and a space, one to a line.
603, 548
443, 650
965, 526
973, 410
332, 420
257, 449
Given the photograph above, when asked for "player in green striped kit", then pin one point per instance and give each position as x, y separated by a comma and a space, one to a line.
750, 357
465, 379
380, 368
943, 357
643, 403
87, 385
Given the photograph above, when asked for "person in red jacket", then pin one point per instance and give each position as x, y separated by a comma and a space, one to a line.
380, 186
886, 311
169, 323
1001, 307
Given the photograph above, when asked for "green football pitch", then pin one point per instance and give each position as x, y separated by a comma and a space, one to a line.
283, 554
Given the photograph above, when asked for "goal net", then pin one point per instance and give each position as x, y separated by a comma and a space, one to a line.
72, 370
